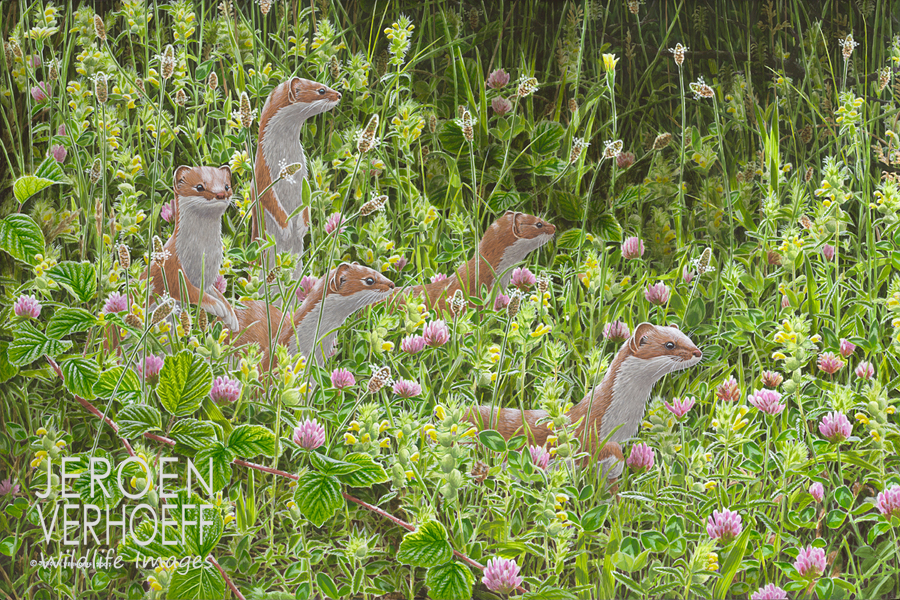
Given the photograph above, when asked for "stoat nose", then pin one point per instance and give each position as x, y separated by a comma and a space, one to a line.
220, 196
391, 285
697, 353
338, 95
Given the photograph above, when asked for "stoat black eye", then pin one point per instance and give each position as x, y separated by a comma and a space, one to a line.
227, 187
539, 225
370, 281
199, 187
321, 91
670, 345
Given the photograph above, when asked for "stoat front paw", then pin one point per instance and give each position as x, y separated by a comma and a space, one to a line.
223, 310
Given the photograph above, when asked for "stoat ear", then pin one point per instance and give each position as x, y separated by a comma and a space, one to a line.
294, 88
673, 325
180, 172
516, 218
227, 170
339, 278
640, 332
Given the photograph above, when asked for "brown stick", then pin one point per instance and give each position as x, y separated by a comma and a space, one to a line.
170, 442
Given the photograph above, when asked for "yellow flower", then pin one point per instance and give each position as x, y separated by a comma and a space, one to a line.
387, 346
385, 443
609, 62
354, 426
710, 485
41, 431
440, 413
862, 418
349, 439
779, 356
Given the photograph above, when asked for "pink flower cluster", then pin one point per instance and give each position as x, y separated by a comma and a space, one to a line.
817, 491
616, 331
342, 378
309, 434
27, 306
501, 301
835, 427
847, 348
225, 389
769, 592
522, 278
810, 563
153, 364
724, 526
657, 294
497, 79
333, 222
830, 363
501, 575
632, 248
641, 458
412, 344
539, 456
888, 501
115, 303
728, 390
436, 333
306, 285
865, 370
680, 406
167, 212
406, 388
768, 401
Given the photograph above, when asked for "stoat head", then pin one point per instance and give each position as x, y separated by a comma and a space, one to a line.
348, 279
207, 189
665, 345
529, 227
319, 95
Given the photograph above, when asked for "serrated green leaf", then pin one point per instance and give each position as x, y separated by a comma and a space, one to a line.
318, 497
129, 390
193, 433
79, 278
66, 321
52, 170
425, 547
31, 344
214, 464
501, 201
184, 381
451, 137
606, 228
196, 583
137, 419
548, 594
201, 523
151, 538
451, 581
547, 137
332, 466
7, 369
570, 205
80, 375
571, 239
21, 237
251, 440
28, 185
369, 473
97, 483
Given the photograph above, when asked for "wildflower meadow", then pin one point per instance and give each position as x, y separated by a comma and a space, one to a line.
728, 168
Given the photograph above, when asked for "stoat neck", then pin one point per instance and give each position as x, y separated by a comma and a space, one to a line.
313, 335
498, 256
280, 144
198, 239
621, 396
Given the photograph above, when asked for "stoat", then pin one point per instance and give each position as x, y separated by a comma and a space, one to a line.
348, 288
619, 399
286, 109
505, 244
195, 249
